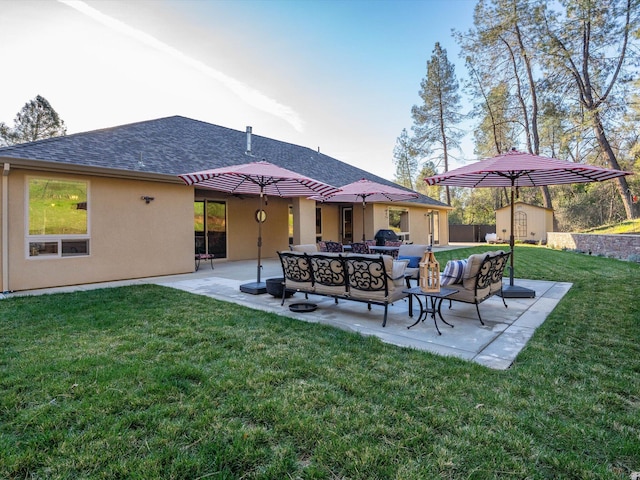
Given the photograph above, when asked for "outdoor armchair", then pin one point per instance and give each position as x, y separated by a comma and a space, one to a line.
359, 248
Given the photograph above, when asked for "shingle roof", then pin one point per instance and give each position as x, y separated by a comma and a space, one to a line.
176, 145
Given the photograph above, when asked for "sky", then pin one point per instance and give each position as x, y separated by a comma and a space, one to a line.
339, 76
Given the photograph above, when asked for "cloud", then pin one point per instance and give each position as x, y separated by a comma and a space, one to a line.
249, 95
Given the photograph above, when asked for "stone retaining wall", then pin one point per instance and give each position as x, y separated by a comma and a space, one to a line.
624, 247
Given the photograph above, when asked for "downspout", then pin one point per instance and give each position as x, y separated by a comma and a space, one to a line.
5, 227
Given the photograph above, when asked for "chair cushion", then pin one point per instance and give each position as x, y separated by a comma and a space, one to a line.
412, 250
333, 246
305, 248
414, 262
359, 248
453, 272
398, 271
471, 270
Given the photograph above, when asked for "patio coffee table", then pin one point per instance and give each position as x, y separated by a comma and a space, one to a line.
432, 304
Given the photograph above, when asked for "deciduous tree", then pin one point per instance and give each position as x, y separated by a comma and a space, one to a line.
589, 41
503, 48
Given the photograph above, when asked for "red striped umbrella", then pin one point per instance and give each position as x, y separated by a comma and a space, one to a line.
258, 178
519, 169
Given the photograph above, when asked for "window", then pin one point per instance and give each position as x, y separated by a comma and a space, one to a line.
318, 224
435, 228
399, 222
58, 220
520, 225
347, 224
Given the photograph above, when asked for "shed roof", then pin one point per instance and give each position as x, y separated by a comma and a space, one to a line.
174, 145
518, 202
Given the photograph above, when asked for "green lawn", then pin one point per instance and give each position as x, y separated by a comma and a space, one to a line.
148, 382
628, 226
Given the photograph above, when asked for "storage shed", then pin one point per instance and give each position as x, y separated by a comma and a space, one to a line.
530, 222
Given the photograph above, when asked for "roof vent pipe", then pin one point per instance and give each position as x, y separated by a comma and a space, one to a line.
248, 139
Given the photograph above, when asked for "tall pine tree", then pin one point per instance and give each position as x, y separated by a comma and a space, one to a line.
435, 120
404, 157
37, 120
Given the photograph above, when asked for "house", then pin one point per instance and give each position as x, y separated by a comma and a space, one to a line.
107, 205
530, 222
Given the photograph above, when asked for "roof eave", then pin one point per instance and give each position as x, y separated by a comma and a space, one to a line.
58, 167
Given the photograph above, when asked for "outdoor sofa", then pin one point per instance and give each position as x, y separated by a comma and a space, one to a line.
372, 279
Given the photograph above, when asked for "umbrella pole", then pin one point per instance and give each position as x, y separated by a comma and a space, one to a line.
258, 287
512, 240
513, 291
260, 234
364, 206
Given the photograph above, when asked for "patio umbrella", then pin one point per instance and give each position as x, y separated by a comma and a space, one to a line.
519, 169
366, 191
258, 178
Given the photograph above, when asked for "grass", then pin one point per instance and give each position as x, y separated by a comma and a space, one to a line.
149, 382
628, 226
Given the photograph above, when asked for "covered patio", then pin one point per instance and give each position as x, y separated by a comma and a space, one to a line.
494, 345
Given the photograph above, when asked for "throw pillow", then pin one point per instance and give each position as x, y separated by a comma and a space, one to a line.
453, 272
414, 262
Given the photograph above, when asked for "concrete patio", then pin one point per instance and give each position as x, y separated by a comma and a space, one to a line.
494, 345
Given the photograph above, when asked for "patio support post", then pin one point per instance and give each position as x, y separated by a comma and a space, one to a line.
304, 221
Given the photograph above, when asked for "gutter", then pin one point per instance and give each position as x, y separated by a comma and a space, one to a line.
50, 166
5, 227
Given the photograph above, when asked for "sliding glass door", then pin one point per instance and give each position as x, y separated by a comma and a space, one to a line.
210, 227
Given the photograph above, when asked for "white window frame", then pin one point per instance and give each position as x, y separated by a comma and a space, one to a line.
402, 235
318, 224
56, 240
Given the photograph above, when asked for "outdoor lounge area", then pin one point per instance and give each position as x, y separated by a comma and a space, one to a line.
495, 344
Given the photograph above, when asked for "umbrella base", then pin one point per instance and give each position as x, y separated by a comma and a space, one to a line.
254, 288
513, 291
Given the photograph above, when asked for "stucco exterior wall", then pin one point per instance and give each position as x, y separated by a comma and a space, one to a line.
242, 227
331, 222
376, 218
420, 221
128, 237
